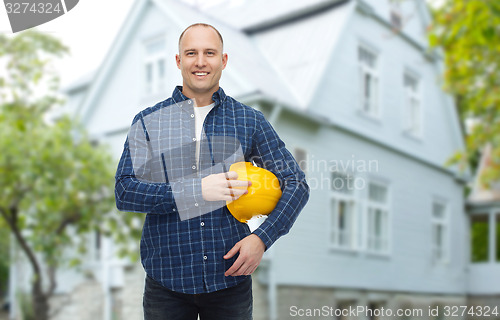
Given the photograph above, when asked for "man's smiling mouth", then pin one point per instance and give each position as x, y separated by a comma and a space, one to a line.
200, 74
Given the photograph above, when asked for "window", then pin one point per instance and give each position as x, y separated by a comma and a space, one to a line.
300, 156
412, 105
396, 20
342, 212
369, 81
479, 238
439, 232
154, 65
396, 16
377, 218
485, 237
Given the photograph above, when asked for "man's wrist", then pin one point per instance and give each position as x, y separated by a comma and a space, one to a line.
264, 247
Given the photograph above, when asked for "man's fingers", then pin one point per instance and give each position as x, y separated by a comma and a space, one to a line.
234, 268
238, 183
231, 175
236, 192
233, 251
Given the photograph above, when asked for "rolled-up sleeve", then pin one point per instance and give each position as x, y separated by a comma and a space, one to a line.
142, 186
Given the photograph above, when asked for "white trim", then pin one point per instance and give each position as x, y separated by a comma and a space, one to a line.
416, 96
353, 219
387, 217
492, 221
445, 224
375, 111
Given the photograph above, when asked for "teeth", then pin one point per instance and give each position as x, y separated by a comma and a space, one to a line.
201, 73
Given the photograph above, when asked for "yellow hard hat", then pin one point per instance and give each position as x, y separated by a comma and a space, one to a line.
262, 196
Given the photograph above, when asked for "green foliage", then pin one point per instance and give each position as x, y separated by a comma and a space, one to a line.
57, 186
468, 32
4, 259
25, 306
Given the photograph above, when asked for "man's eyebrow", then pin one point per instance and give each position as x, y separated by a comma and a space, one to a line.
187, 50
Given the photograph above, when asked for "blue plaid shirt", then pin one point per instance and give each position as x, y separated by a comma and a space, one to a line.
187, 255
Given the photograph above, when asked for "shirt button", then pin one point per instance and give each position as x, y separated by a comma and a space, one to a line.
205, 257
193, 167
196, 204
189, 101
194, 139
192, 115
202, 224
173, 209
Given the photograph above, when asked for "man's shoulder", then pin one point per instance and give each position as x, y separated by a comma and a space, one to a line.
239, 106
151, 109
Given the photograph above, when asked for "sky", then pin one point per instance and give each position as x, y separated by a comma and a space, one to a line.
89, 31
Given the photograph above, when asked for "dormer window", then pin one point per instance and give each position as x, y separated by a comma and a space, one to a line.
154, 65
396, 20
396, 16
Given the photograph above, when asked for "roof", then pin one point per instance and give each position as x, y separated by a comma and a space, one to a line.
246, 66
251, 14
250, 73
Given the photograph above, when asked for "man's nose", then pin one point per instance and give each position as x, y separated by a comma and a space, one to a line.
200, 60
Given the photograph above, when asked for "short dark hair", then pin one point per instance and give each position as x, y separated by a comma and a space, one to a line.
201, 25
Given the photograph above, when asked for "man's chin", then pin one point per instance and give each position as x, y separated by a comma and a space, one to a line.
204, 90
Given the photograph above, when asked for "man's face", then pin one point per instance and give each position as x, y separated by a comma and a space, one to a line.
200, 60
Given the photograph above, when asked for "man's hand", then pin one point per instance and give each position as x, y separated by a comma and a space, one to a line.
251, 249
221, 186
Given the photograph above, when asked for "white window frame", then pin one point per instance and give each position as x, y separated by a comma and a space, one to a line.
369, 209
413, 106
372, 109
158, 83
335, 235
444, 251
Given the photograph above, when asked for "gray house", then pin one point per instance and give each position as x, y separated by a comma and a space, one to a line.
353, 91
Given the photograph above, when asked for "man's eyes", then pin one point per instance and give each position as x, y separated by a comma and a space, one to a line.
209, 53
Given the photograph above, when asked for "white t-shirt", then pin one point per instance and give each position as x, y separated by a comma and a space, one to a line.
200, 115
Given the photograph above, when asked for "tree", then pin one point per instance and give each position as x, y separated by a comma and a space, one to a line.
468, 33
4, 261
56, 186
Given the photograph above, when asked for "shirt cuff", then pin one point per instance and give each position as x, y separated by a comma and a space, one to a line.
265, 236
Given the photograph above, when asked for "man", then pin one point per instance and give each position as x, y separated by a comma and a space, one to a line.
197, 256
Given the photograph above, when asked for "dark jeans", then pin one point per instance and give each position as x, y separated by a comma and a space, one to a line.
233, 303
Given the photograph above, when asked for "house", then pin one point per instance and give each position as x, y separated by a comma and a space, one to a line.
353, 91
483, 207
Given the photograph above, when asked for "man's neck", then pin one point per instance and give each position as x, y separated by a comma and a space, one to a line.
201, 100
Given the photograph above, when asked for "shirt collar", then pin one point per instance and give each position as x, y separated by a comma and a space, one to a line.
218, 97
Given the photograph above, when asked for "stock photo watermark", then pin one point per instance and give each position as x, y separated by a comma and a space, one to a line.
343, 175
26, 14
365, 311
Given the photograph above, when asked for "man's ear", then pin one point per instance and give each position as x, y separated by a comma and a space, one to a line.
224, 61
178, 61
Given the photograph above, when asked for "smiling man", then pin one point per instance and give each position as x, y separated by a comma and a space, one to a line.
198, 258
